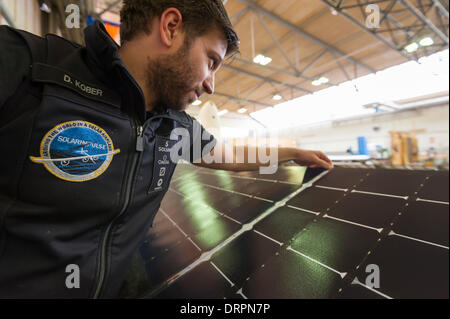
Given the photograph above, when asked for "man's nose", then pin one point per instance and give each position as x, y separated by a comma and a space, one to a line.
208, 85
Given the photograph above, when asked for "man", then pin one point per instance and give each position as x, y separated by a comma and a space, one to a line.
86, 134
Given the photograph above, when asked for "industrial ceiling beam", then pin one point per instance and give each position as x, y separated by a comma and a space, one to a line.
265, 78
275, 40
419, 15
373, 33
241, 100
306, 35
441, 8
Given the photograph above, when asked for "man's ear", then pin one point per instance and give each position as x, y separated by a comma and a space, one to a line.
170, 26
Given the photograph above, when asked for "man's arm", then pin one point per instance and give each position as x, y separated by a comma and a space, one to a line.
250, 158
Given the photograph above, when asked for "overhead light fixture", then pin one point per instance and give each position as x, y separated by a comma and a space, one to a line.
322, 80
412, 47
277, 97
425, 42
44, 7
334, 12
261, 59
223, 112
243, 110
197, 103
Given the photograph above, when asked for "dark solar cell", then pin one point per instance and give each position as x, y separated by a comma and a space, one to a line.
341, 177
229, 202
338, 245
410, 269
369, 210
436, 188
393, 182
276, 191
159, 240
215, 233
196, 219
220, 180
316, 199
246, 186
250, 209
426, 221
291, 174
203, 282
284, 223
355, 291
244, 255
288, 276
168, 264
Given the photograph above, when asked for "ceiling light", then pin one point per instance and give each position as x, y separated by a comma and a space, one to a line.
223, 112
277, 97
261, 59
322, 80
334, 12
412, 47
197, 103
425, 42
243, 110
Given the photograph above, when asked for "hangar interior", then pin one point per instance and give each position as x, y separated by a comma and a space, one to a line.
366, 82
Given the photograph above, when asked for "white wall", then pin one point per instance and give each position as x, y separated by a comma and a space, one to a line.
337, 137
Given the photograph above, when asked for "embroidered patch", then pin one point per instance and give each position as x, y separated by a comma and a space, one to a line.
76, 151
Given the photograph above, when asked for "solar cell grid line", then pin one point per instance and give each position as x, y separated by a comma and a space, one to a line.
245, 228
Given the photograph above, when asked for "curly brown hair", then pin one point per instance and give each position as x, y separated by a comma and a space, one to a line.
199, 17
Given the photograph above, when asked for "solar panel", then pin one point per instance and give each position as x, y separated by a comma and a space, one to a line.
297, 234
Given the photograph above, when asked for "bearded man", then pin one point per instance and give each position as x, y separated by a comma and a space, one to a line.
86, 134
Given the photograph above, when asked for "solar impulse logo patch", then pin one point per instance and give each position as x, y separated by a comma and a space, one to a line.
76, 151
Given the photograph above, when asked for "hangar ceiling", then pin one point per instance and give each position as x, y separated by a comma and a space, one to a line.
308, 40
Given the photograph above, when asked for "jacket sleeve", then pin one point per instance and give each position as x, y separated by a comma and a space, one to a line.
15, 61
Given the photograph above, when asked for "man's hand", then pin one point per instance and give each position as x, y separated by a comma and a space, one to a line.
313, 159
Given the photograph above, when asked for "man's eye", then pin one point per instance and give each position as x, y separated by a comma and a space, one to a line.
212, 64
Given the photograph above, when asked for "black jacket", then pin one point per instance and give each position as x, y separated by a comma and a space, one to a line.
82, 168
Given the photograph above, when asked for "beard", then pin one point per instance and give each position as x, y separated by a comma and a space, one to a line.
171, 78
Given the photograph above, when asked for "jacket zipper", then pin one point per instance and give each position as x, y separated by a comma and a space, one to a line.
128, 190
